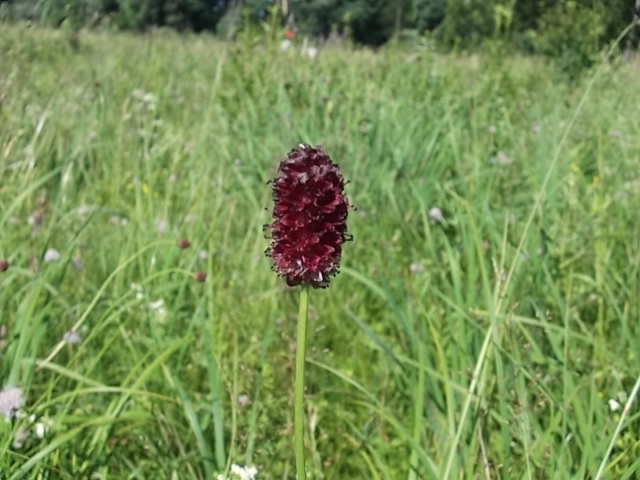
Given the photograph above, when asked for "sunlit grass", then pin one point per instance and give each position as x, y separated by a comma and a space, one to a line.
114, 152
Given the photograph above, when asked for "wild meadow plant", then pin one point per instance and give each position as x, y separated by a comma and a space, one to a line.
309, 226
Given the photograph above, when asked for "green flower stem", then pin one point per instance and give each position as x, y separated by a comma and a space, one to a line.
299, 390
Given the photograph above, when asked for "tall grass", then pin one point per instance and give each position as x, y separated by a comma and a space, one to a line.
114, 150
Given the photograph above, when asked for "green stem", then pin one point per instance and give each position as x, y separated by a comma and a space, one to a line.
299, 391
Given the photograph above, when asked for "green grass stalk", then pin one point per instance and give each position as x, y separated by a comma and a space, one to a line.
299, 389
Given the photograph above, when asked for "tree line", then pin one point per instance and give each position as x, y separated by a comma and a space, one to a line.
544, 26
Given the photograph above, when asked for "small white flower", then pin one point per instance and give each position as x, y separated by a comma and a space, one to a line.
35, 219
20, 437
416, 268
244, 473
158, 309
435, 214
51, 255
138, 289
500, 159
161, 226
84, 210
157, 305
40, 430
72, 338
149, 98
614, 405
203, 255
285, 45
11, 400
311, 52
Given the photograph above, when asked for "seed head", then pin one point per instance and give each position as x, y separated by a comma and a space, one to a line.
309, 218
4, 265
184, 243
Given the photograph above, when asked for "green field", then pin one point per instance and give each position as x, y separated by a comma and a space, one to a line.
499, 342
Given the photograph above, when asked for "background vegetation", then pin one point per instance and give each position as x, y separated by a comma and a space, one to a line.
496, 340
459, 23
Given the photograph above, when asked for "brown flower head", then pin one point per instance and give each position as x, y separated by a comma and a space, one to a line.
309, 218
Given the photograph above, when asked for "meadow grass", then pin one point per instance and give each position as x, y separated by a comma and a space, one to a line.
498, 343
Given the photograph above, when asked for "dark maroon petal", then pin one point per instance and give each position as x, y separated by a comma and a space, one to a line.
294, 220
309, 214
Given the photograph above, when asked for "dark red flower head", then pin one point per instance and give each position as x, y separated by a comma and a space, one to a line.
309, 218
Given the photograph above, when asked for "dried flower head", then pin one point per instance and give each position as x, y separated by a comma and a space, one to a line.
4, 265
309, 218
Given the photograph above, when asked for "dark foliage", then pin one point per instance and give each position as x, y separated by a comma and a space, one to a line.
372, 22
